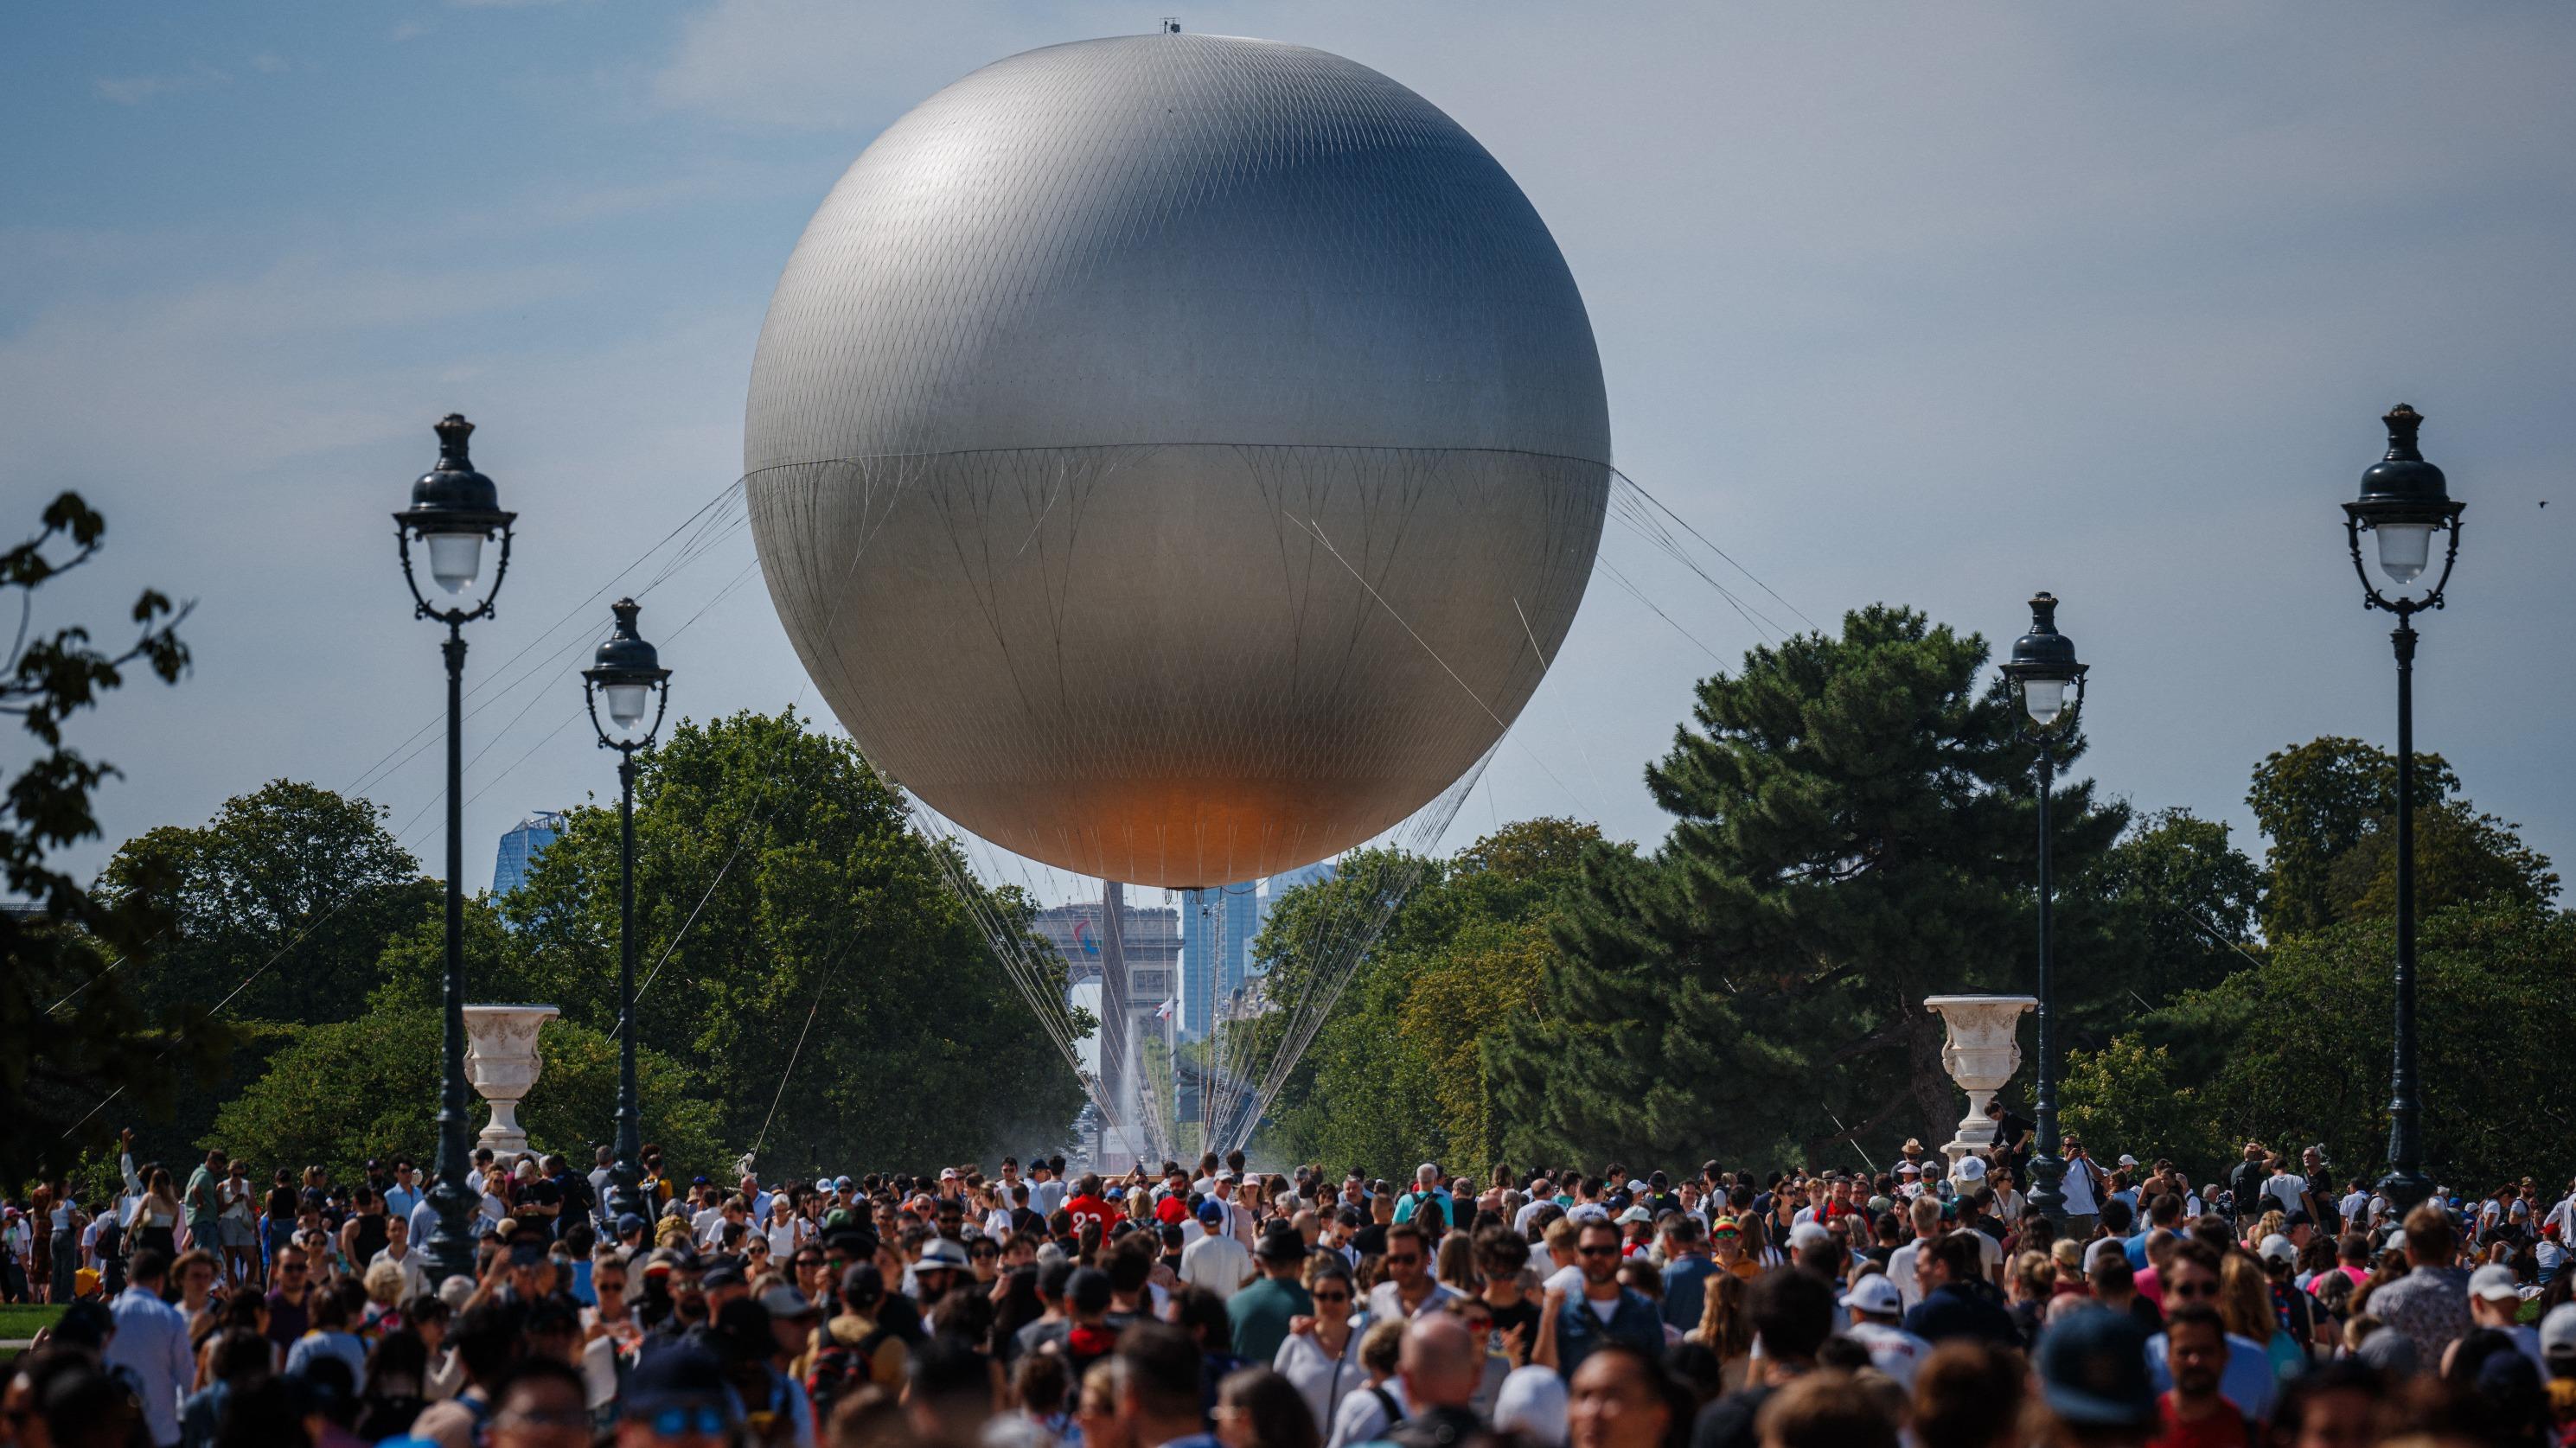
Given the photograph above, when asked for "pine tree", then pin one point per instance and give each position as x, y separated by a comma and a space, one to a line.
1854, 830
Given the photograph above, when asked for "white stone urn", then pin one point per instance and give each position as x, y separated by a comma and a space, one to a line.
501, 1061
1982, 1053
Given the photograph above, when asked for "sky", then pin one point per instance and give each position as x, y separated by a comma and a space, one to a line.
1936, 305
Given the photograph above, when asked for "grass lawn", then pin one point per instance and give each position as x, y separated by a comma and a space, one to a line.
19, 1322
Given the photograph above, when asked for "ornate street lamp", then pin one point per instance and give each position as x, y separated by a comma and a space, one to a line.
2404, 501
454, 511
2048, 683
629, 677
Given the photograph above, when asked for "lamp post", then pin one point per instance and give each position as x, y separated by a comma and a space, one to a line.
2403, 502
2040, 675
454, 511
628, 674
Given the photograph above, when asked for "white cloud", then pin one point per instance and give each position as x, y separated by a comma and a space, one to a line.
135, 90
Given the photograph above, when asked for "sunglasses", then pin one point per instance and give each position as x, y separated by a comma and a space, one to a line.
1324, 1297
673, 1422
2191, 1290
1402, 1259
1597, 1251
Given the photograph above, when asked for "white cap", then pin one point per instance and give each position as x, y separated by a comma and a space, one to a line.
1907, 1168
1874, 1294
1807, 1234
2277, 1248
2558, 1329
2126, 1160
1532, 1402
2495, 1283
1634, 1214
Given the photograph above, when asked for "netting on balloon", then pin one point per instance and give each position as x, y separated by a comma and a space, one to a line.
1105, 694
1181, 664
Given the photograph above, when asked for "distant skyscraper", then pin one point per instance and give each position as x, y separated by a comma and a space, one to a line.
520, 848
1277, 887
1217, 926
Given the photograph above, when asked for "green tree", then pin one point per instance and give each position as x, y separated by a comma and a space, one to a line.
71, 1037
2298, 1050
2314, 802
2176, 903
2329, 806
350, 1090
1397, 1070
1853, 832
2460, 855
292, 888
831, 967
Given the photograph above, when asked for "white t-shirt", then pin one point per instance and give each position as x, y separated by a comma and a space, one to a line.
2286, 1188
1901, 1271
2080, 1185
1892, 1350
1386, 1304
785, 1237
1362, 1418
1216, 1262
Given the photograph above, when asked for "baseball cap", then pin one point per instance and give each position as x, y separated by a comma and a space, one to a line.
2093, 1369
2558, 1330
784, 1301
629, 1223
948, 1173
1874, 1294
1634, 1214
823, 1184
2127, 1160
2277, 1248
684, 1376
1807, 1234
2495, 1283
724, 1272
1211, 1210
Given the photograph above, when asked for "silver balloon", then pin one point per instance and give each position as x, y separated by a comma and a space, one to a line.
1176, 457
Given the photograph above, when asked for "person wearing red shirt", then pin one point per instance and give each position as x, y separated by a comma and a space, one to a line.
1089, 1206
2192, 1414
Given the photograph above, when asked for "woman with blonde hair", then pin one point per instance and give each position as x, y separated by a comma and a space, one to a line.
1724, 1329
2245, 1305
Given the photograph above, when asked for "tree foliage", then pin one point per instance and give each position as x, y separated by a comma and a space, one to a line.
291, 888
1399, 1070
2298, 1050
1854, 830
828, 953
70, 1035
383, 1067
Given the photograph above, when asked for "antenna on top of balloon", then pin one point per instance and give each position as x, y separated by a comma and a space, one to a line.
1171, 25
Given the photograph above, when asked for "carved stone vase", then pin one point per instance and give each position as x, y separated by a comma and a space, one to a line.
501, 1061
1982, 1053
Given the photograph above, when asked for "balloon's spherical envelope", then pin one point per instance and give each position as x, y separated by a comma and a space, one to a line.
1176, 458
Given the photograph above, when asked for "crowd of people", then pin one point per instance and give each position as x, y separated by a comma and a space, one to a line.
1928, 1305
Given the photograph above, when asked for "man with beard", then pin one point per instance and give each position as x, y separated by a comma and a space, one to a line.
1606, 1311
674, 1302
943, 1261
2193, 1413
